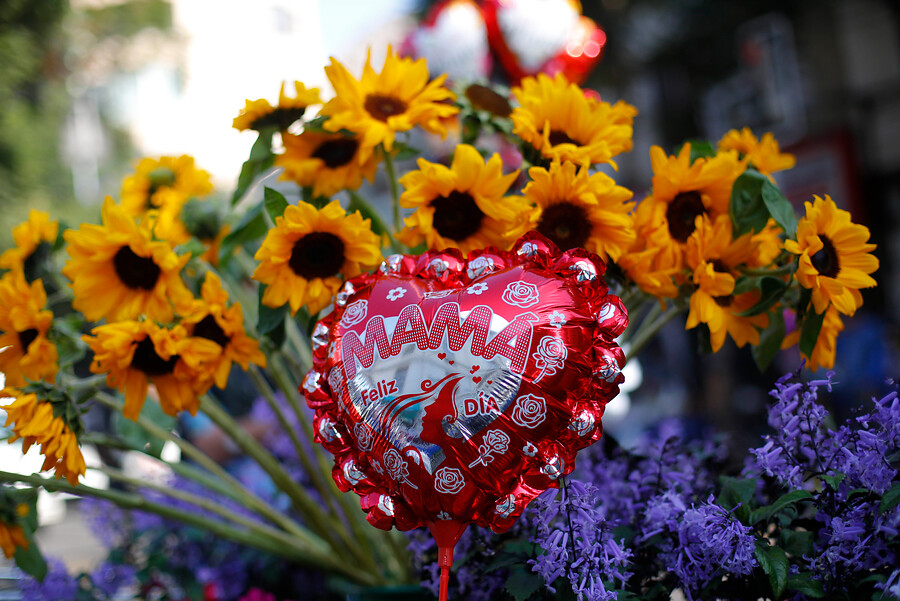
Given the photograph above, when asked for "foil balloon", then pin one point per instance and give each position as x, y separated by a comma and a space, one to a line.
453, 39
454, 391
543, 36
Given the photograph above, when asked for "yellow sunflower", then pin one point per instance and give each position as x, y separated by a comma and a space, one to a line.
682, 191
304, 255
24, 325
653, 270
12, 536
258, 114
134, 354
714, 257
28, 236
119, 272
463, 205
379, 105
211, 318
161, 187
327, 162
764, 154
834, 259
558, 120
826, 344
36, 422
578, 210
768, 245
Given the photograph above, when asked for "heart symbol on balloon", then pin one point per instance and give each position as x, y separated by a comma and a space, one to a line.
422, 440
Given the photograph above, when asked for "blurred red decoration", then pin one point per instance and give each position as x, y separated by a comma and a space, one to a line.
543, 36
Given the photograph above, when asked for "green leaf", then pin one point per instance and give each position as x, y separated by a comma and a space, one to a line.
771, 290
404, 152
744, 284
764, 513
769, 341
774, 563
136, 436
269, 318
251, 227
31, 560
275, 202
809, 331
833, 481
261, 158
523, 583
890, 499
748, 210
805, 584
797, 542
700, 149
193, 247
780, 208
735, 491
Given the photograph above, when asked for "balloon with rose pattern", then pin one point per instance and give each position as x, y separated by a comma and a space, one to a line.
456, 391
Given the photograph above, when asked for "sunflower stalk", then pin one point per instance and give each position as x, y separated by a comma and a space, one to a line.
649, 328
299, 551
230, 484
312, 514
352, 512
269, 396
395, 190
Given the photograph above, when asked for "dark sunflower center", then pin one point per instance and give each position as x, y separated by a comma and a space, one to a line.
720, 267
826, 260
35, 261
682, 212
485, 99
566, 224
317, 255
26, 337
336, 153
146, 360
134, 271
209, 328
282, 118
560, 137
381, 107
456, 216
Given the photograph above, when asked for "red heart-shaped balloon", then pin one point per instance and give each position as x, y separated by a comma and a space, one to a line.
543, 36
453, 390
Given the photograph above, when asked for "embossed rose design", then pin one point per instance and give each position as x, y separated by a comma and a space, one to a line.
391, 264
479, 265
352, 473
355, 313
607, 311
505, 507
327, 430
448, 480
521, 294
335, 378
529, 411
439, 266
364, 437
528, 249
344, 295
397, 468
494, 441
586, 271
550, 356
610, 370
554, 467
583, 424
309, 382
396, 293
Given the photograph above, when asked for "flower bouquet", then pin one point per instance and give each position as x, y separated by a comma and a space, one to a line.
178, 297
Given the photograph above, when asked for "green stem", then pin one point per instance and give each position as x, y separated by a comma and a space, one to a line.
269, 396
646, 332
318, 520
762, 271
234, 488
298, 550
361, 204
395, 191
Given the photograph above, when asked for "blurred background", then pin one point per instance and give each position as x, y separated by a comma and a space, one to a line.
89, 86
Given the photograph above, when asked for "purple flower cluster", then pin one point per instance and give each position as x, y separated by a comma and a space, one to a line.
57, 585
578, 543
